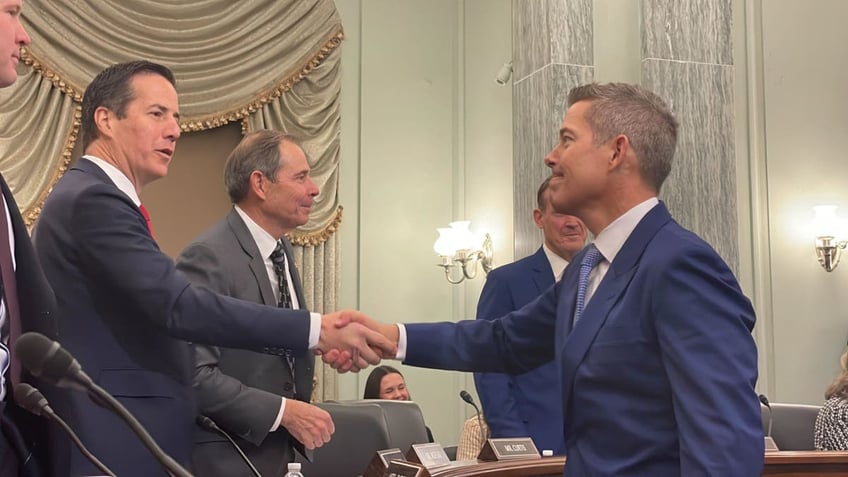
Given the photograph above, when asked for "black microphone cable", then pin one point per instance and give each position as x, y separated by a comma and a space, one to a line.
208, 424
33, 401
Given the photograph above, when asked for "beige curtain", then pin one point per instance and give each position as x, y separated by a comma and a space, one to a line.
267, 63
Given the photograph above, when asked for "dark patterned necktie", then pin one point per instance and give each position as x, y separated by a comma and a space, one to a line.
10, 295
278, 258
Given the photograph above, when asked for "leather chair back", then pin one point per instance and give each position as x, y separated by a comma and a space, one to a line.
793, 425
360, 432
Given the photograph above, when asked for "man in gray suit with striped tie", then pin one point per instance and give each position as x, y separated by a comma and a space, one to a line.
262, 400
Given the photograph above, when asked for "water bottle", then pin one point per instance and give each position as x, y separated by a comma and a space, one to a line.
294, 470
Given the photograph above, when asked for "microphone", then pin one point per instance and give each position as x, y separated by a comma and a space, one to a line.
769, 441
208, 424
47, 359
33, 401
470, 400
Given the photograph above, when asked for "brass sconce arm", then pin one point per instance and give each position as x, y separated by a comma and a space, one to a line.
466, 260
828, 251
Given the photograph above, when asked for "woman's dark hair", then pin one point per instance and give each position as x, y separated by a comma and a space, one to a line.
372, 385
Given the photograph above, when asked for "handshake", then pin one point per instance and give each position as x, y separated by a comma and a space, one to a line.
350, 340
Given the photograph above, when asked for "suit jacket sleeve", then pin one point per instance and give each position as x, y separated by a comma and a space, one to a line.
514, 344
114, 244
496, 389
246, 411
703, 324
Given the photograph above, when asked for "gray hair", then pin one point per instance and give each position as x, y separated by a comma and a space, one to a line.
639, 114
258, 151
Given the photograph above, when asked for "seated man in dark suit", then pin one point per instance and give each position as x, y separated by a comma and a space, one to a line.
125, 311
526, 404
261, 399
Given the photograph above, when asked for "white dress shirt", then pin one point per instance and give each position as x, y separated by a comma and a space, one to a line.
558, 263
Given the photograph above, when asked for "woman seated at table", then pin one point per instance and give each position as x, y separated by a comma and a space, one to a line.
386, 382
832, 421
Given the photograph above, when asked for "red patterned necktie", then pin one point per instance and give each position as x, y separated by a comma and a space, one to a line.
147, 218
10, 294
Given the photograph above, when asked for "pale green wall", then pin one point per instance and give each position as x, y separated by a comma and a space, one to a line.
426, 139
804, 112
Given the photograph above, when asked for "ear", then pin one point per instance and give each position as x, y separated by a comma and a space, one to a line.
620, 146
537, 216
104, 121
258, 183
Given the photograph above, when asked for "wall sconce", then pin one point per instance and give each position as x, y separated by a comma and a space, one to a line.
504, 74
828, 227
459, 248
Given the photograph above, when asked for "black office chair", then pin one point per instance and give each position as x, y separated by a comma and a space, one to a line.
793, 425
404, 421
360, 432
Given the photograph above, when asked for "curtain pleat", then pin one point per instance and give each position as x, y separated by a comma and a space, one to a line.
38, 129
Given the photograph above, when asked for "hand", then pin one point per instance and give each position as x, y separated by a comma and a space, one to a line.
390, 331
310, 425
339, 360
342, 331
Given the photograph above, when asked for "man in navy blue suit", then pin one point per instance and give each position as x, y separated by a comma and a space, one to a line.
525, 405
658, 365
124, 310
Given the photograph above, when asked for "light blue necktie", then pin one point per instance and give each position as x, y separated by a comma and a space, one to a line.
590, 260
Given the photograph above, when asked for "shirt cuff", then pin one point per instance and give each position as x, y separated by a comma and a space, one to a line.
401, 347
279, 415
314, 330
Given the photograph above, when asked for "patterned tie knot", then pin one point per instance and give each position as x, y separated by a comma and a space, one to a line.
278, 257
590, 260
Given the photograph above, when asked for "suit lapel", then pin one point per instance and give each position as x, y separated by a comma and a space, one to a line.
611, 288
543, 274
257, 262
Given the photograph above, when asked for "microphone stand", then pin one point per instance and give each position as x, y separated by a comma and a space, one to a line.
467, 398
101, 397
84, 450
33, 401
770, 445
208, 424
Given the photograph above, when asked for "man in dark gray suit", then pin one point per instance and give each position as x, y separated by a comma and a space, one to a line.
262, 400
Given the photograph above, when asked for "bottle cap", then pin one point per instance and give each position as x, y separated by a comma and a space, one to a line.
294, 466
547, 453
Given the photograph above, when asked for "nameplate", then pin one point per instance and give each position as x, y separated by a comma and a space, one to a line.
379, 464
406, 469
508, 448
428, 455
771, 446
